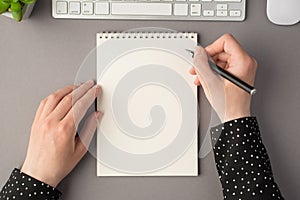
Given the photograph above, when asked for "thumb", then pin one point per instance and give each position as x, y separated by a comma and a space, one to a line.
204, 72
211, 82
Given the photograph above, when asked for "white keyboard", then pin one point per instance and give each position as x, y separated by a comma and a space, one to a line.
216, 10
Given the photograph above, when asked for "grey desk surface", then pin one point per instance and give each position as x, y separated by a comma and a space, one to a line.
42, 54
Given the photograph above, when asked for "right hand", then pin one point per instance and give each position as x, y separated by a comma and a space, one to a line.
229, 101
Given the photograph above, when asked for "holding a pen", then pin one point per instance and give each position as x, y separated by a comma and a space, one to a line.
230, 77
225, 96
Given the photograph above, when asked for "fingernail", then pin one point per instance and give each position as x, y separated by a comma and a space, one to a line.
197, 50
90, 82
98, 89
98, 115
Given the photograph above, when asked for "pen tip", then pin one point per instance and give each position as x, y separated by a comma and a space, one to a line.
190, 51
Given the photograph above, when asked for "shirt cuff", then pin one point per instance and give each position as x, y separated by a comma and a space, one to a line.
23, 186
246, 125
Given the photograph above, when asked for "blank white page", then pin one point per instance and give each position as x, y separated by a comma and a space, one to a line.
149, 101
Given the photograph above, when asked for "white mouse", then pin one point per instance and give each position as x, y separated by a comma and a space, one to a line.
283, 12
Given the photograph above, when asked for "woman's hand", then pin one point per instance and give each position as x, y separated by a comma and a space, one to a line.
228, 100
54, 150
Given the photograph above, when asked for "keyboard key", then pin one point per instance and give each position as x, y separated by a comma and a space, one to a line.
101, 8
235, 1
181, 9
74, 8
222, 6
208, 13
164, 9
87, 8
195, 9
193, 0
222, 13
61, 7
235, 13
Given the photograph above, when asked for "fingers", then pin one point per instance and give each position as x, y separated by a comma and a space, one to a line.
79, 92
201, 60
220, 59
192, 71
205, 75
197, 82
224, 57
222, 64
79, 109
66, 103
40, 109
211, 83
201, 66
86, 135
52, 101
226, 43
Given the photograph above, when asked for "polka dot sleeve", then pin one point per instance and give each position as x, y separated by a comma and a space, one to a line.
23, 187
242, 161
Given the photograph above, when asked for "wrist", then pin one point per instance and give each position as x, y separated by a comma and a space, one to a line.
231, 115
40, 175
238, 104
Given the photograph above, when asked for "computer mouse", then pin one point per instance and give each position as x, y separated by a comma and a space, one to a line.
283, 12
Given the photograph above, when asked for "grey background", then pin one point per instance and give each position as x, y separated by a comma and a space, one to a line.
42, 54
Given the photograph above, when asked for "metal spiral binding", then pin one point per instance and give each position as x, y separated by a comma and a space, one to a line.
146, 35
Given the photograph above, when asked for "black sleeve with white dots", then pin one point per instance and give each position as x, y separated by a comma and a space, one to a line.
21, 186
242, 161
241, 158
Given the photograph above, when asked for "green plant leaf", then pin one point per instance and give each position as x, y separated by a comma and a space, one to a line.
16, 7
17, 15
16, 11
28, 1
6, 1
3, 6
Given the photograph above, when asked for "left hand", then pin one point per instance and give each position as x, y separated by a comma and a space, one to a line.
54, 150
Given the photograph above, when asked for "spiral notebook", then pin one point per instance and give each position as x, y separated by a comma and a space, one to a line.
149, 101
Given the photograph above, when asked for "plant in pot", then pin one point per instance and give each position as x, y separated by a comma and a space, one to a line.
16, 8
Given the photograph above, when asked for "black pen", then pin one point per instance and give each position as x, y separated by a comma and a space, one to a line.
230, 77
